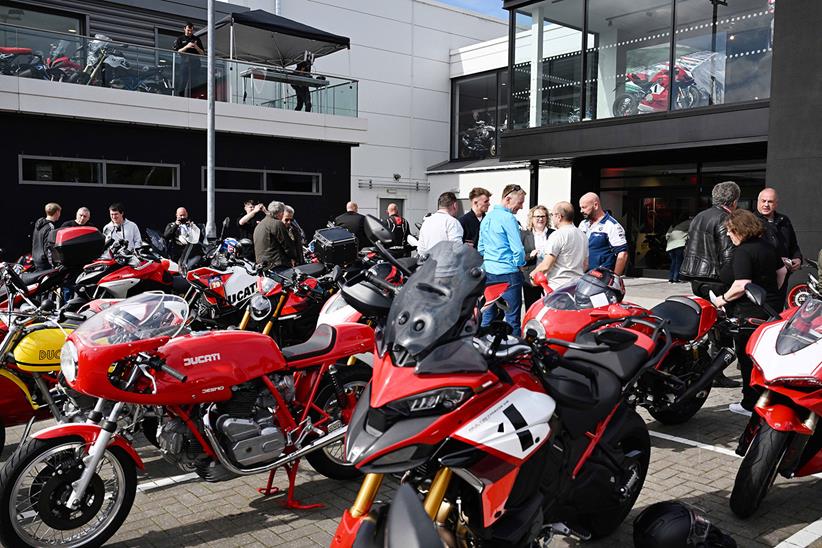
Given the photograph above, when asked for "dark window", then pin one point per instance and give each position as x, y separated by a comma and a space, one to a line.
48, 170
46, 22
141, 175
296, 183
475, 111
236, 180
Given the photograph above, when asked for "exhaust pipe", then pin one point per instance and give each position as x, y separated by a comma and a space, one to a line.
319, 443
722, 360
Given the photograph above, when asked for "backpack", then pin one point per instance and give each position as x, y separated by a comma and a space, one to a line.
398, 228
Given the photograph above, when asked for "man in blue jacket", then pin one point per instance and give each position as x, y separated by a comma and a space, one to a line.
502, 252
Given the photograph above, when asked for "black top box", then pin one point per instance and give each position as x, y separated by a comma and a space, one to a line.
335, 246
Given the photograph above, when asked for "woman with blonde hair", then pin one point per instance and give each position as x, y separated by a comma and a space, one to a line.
534, 239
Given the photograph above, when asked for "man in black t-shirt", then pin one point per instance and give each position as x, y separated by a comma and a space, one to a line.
354, 223
254, 213
189, 46
480, 201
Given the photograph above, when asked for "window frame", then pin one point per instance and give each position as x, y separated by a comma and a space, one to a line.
263, 173
104, 174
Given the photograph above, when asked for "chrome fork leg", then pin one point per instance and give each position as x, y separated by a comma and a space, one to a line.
95, 454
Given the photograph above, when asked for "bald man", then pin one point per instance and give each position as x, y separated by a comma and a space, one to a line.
180, 233
398, 226
779, 231
607, 245
354, 223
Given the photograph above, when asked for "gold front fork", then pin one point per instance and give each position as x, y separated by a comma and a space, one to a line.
246, 318
436, 493
366, 495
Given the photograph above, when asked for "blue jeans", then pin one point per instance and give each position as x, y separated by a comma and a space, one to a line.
676, 256
512, 296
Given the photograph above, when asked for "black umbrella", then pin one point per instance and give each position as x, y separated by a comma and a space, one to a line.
257, 36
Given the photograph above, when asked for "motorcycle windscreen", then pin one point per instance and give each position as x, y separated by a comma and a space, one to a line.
803, 329
579, 295
143, 316
436, 301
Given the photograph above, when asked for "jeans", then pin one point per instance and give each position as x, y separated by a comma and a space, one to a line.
512, 296
676, 256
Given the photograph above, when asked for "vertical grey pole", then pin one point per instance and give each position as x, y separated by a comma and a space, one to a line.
211, 226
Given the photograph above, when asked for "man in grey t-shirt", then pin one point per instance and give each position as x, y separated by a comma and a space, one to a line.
566, 252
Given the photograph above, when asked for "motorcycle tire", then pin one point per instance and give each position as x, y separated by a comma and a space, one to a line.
2, 436
758, 470
626, 104
606, 521
798, 295
20, 467
678, 414
79, 78
687, 98
330, 461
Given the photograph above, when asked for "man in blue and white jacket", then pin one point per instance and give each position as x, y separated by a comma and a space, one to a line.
503, 253
607, 245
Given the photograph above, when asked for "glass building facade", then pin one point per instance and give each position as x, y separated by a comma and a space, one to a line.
576, 60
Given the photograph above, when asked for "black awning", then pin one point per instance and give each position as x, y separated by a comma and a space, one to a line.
262, 37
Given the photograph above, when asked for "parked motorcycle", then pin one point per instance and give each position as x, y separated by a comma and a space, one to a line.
509, 442
645, 93
478, 141
235, 405
803, 291
781, 436
680, 382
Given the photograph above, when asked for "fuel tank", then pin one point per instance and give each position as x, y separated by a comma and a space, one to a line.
38, 350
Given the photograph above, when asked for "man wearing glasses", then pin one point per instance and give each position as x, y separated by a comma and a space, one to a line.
503, 253
566, 253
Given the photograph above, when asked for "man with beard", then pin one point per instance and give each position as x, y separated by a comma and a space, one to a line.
607, 245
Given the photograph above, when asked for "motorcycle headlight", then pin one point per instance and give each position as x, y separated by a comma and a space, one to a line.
433, 402
535, 329
260, 307
68, 361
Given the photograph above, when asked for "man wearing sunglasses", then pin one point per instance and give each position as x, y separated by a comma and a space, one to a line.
503, 253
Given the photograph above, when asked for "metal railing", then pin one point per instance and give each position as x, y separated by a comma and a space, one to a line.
99, 61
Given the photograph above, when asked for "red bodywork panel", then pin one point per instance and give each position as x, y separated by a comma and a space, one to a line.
88, 433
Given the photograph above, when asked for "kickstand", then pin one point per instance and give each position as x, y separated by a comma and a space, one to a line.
290, 501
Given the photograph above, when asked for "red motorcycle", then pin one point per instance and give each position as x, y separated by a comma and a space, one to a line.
650, 93
678, 386
782, 436
508, 441
235, 405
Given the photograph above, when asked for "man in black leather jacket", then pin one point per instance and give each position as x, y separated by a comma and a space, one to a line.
709, 248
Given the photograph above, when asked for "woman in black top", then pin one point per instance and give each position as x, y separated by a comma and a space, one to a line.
755, 261
534, 238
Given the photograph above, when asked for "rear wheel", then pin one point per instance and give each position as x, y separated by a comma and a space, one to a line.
682, 365
758, 470
330, 460
625, 105
36, 482
635, 445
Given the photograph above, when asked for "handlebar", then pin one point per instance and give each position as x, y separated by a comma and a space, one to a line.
160, 365
380, 283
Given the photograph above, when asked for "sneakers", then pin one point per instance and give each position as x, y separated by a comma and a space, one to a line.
721, 381
739, 410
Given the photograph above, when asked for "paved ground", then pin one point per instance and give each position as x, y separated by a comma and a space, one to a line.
693, 462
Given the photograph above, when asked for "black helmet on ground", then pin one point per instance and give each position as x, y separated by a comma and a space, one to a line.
676, 525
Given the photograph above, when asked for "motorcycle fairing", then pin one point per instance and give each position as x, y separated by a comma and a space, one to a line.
762, 348
15, 399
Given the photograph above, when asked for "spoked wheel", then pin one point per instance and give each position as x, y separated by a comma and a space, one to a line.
625, 105
35, 485
758, 470
330, 460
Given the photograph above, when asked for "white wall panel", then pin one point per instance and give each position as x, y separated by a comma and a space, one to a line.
372, 161
457, 21
423, 159
385, 66
387, 130
399, 10
382, 97
430, 135
432, 105
432, 75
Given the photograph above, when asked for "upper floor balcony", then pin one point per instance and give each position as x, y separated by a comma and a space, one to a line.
54, 73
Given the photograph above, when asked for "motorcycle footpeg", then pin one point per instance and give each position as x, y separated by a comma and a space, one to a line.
563, 529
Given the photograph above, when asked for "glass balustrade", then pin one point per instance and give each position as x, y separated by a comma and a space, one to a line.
99, 61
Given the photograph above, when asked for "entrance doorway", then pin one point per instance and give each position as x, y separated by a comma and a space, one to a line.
384, 205
648, 200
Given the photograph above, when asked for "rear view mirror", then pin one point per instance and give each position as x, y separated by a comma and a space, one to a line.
375, 231
756, 294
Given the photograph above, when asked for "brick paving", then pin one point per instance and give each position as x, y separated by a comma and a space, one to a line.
194, 513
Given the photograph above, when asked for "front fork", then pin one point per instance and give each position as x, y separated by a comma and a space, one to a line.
371, 486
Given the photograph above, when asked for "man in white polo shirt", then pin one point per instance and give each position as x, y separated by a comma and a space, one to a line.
440, 225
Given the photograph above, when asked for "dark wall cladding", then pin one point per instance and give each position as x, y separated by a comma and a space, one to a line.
66, 138
135, 21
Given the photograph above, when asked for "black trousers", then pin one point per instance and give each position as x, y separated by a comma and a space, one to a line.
530, 294
303, 98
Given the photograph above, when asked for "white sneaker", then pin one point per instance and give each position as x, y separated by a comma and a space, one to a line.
739, 410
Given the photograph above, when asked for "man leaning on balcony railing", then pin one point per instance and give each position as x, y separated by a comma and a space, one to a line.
188, 44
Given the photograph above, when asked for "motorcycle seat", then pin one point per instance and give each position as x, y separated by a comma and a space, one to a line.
310, 269
37, 276
623, 363
320, 342
682, 313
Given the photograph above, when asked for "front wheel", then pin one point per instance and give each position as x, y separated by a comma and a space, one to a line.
798, 295
758, 470
36, 482
330, 460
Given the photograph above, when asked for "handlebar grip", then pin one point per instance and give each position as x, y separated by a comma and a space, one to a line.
380, 283
167, 369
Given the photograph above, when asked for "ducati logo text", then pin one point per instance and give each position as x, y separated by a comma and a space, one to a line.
241, 295
205, 358
49, 354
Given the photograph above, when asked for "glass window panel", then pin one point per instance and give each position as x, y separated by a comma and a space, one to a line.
476, 117
725, 50
231, 180
547, 64
141, 175
24, 16
304, 183
42, 170
628, 49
